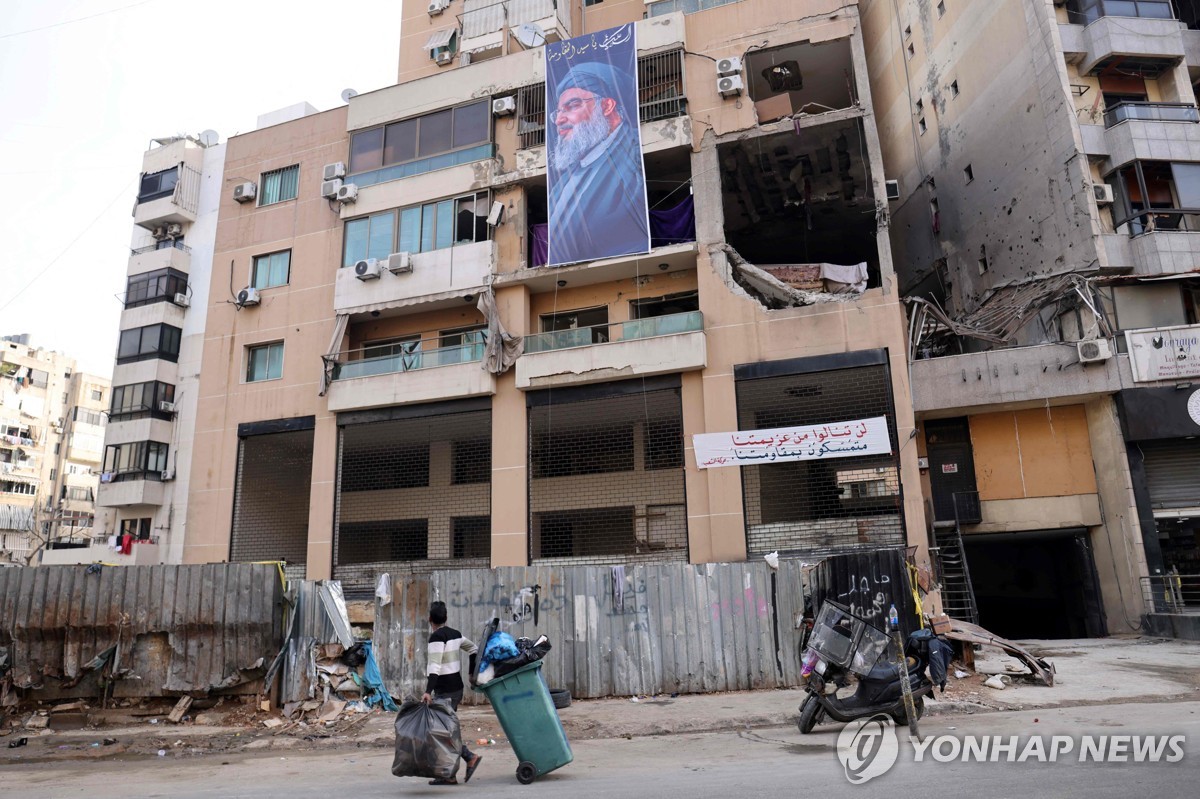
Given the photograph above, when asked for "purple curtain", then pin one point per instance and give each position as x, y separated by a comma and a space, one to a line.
674, 225
539, 238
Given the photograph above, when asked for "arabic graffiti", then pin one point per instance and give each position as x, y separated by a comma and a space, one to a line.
739, 604
866, 596
834, 440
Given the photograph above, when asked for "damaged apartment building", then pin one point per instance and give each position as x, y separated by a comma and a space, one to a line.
1047, 156
394, 379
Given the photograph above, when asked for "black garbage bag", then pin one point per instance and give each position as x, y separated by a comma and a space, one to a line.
355, 656
428, 740
528, 654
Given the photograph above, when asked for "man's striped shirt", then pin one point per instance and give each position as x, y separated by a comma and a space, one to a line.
445, 661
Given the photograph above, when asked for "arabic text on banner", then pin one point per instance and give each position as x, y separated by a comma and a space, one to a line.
595, 176
814, 442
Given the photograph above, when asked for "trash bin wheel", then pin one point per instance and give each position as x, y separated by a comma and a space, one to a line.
526, 772
561, 698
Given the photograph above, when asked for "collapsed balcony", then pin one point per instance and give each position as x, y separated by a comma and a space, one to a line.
802, 207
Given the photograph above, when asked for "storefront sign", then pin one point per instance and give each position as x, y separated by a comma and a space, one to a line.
1169, 353
816, 442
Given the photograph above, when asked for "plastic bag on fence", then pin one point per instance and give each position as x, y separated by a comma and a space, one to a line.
428, 740
526, 654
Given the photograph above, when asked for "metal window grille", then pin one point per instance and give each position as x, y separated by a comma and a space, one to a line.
660, 96
531, 115
821, 507
606, 479
279, 185
413, 495
270, 500
660, 86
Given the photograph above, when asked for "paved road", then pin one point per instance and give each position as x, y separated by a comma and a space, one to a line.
773, 762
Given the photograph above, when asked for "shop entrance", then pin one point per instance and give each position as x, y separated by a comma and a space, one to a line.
1039, 584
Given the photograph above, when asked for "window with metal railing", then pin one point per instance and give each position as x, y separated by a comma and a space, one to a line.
1085, 12
1150, 112
660, 96
87, 417
661, 7
139, 399
161, 285
279, 185
1155, 195
137, 460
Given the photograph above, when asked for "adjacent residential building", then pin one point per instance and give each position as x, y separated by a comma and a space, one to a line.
393, 380
1047, 156
51, 434
146, 464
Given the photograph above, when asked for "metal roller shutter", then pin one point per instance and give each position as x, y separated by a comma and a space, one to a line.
1173, 472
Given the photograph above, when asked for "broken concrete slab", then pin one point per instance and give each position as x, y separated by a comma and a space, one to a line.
180, 709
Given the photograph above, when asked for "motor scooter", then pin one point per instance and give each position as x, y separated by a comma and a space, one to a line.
844, 648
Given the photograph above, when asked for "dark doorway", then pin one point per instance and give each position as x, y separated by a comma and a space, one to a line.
1039, 584
952, 470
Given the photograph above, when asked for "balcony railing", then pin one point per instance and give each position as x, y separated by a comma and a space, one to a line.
653, 327
353, 363
1150, 112
481, 17
166, 244
1172, 593
1085, 12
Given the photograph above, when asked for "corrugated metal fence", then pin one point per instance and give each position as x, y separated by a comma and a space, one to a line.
154, 630
640, 629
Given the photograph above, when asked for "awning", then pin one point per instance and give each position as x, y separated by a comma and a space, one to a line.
16, 517
439, 39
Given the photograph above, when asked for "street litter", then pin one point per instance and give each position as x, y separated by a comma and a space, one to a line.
997, 681
974, 634
428, 740
959, 674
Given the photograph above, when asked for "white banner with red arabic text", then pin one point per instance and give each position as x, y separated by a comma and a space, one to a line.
816, 442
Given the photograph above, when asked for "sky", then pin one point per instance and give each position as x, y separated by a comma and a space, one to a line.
86, 84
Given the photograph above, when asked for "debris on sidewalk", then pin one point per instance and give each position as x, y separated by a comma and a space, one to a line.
974, 634
997, 681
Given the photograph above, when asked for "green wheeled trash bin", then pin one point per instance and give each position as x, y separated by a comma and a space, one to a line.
526, 712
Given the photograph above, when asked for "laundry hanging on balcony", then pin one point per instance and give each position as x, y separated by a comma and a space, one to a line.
673, 225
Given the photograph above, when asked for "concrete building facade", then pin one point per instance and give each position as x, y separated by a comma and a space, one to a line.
145, 472
357, 412
1045, 155
51, 437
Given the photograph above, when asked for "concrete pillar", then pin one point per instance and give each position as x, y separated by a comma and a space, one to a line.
1117, 543
510, 446
321, 499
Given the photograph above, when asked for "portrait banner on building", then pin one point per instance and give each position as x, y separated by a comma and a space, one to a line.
814, 442
596, 180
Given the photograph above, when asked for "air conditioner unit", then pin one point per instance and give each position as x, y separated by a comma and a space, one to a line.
334, 171
729, 66
1103, 193
248, 296
330, 188
399, 263
245, 192
347, 193
166, 407
1095, 351
730, 85
159, 232
167, 474
174, 230
182, 300
106, 477
503, 106
367, 269
892, 189
443, 58
438, 6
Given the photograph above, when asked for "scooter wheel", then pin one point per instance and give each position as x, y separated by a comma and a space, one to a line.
901, 715
809, 713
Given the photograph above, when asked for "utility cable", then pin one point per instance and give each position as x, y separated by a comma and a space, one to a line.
72, 21
74, 241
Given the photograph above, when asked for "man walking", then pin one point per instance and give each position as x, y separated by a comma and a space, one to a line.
445, 675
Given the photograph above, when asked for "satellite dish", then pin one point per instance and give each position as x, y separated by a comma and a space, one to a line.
530, 34
209, 137
347, 94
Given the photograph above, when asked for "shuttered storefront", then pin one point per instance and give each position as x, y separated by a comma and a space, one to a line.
1172, 473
